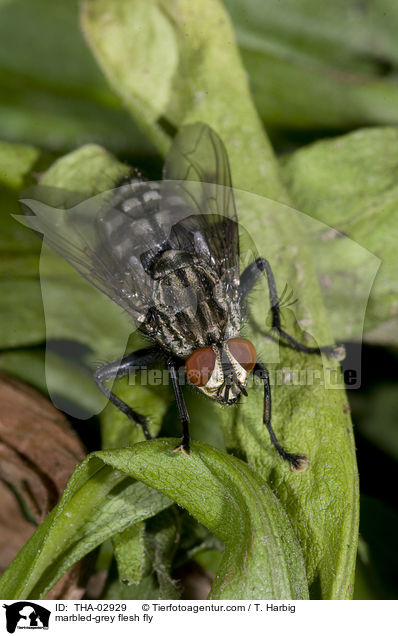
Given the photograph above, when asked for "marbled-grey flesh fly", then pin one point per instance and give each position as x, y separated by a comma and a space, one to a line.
168, 253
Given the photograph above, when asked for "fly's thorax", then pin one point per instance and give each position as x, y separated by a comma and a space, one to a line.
191, 306
221, 371
167, 261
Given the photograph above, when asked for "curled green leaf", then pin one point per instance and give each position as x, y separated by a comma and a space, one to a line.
262, 557
97, 504
130, 553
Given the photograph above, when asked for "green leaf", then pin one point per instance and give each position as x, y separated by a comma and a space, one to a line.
16, 160
130, 553
146, 589
319, 66
262, 556
203, 80
150, 401
196, 539
161, 541
208, 559
73, 308
21, 315
350, 184
87, 170
201, 76
378, 561
116, 38
338, 62
15, 240
97, 504
49, 108
68, 380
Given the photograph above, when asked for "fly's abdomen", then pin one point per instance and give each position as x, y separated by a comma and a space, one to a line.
188, 311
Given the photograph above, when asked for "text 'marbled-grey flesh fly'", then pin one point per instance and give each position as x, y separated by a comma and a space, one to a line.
168, 253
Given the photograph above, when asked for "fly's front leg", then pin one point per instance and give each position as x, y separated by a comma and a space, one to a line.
182, 409
120, 368
247, 281
297, 462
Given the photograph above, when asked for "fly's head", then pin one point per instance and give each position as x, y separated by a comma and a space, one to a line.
221, 371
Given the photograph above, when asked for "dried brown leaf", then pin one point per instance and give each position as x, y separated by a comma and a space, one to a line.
38, 448
38, 452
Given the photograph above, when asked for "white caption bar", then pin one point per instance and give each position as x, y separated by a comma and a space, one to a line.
163, 617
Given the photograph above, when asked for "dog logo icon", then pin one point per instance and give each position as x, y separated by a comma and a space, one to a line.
26, 615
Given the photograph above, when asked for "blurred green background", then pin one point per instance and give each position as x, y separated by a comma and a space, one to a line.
317, 71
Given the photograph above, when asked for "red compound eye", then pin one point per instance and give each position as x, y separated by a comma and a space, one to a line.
199, 366
244, 352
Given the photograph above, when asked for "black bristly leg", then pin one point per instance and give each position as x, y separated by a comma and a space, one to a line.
298, 462
120, 368
182, 409
247, 281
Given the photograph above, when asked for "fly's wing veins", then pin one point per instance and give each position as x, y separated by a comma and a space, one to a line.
197, 170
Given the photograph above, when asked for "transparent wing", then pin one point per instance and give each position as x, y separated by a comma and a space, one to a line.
100, 239
197, 171
112, 237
